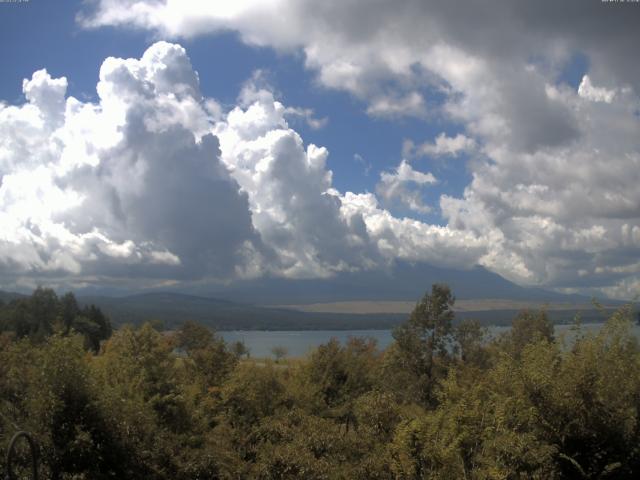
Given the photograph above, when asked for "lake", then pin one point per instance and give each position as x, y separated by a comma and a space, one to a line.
300, 342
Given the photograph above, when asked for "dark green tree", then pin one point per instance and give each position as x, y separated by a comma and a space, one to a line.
209, 358
470, 338
93, 325
425, 339
279, 352
528, 327
193, 336
68, 311
338, 375
33, 317
240, 350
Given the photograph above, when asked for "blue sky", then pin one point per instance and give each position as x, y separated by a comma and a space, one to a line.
55, 41
522, 129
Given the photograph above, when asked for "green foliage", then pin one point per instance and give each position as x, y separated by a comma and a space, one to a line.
31, 317
208, 359
442, 402
93, 325
528, 327
193, 336
252, 393
425, 339
38, 316
279, 352
470, 343
49, 391
295, 445
338, 375
239, 349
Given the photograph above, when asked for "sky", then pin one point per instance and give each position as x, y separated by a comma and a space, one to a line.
155, 143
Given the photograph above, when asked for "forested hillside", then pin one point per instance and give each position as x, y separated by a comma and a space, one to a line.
442, 402
173, 309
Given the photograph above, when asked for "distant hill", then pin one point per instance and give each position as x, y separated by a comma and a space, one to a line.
6, 297
172, 309
273, 303
404, 281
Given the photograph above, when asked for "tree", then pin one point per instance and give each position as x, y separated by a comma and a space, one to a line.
43, 305
94, 325
279, 352
138, 364
39, 315
208, 355
50, 393
251, 393
528, 327
470, 339
240, 350
68, 311
427, 335
193, 336
340, 374
33, 317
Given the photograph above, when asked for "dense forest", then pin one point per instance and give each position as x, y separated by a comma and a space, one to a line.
443, 401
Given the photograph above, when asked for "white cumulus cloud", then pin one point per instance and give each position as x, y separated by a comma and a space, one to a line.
152, 183
553, 192
442, 145
554, 180
404, 185
129, 186
597, 94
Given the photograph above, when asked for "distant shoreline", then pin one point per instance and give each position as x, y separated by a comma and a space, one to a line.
363, 307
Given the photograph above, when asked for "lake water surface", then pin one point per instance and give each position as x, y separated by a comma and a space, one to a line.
300, 342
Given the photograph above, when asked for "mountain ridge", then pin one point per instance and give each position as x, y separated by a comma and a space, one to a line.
404, 281
355, 300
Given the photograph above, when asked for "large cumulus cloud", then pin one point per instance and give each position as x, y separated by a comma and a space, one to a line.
287, 186
130, 186
404, 185
554, 166
153, 184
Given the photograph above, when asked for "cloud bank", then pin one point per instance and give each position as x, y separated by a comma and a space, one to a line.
130, 187
404, 185
553, 197
153, 185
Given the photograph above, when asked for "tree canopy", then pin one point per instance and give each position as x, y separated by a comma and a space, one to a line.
444, 401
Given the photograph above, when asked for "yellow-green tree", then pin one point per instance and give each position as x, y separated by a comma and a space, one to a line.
425, 340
